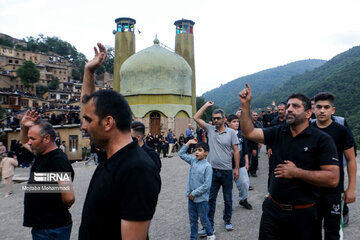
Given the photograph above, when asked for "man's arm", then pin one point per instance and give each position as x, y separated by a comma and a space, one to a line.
67, 196
350, 193
26, 122
247, 127
88, 86
134, 230
237, 161
200, 113
327, 176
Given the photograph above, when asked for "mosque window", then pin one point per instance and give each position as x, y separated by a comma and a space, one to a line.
184, 28
125, 27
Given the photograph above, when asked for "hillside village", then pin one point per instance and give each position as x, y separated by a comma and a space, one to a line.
61, 105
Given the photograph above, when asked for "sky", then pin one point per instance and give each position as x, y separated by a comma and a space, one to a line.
233, 38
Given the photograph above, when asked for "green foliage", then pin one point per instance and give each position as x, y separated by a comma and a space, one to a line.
54, 83
207, 116
2, 113
41, 90
109, 62
6, 42
28, 73
265, 81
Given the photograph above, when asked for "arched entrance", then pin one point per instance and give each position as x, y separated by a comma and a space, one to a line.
155, 123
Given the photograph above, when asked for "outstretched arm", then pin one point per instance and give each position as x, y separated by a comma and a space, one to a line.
247, 127
88, 86
200, 113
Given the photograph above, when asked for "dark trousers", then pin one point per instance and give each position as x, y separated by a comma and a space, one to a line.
277, 224
254, 162
329, 211
271, 169
223, 178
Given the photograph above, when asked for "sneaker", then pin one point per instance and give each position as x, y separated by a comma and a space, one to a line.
245, 204
251, 188
229, 227
212, 237
266, 196
346, 219
202, 233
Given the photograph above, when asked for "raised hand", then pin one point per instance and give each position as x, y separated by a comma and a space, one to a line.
245, 95
29, 118
98, 60
209, 103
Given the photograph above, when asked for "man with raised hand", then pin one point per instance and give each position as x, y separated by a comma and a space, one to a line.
223, 143
305, 158
124, 188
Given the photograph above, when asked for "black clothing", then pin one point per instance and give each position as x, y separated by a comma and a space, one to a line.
125, 186
343, 140
242, 150
153, 155
199, 134
267, 118
46, 210
276, 122
308, 150
254, 160
150, 141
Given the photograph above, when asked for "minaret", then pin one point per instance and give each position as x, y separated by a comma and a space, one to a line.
124, 46
184, 46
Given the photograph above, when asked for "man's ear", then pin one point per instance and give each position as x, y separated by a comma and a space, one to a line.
46, 138
109, 123
333, 111
308, 113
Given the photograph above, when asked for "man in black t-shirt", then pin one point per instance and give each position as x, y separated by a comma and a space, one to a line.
268, 117
124, 188
46, 212
305, 158
330, 202
138, 132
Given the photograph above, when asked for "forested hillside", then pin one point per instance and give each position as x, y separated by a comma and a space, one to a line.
226, 95
340, 75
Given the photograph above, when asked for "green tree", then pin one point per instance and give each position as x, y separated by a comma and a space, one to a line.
28, 73
207, 116
54, 83
41, 90
6, 42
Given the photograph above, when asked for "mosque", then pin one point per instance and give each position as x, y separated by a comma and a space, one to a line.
158, 84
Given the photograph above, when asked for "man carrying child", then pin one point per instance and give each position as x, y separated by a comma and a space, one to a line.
198, 188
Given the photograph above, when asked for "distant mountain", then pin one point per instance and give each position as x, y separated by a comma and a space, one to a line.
265, 81
340, 75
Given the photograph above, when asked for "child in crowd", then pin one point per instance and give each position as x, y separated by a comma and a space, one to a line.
198, 188
7, 170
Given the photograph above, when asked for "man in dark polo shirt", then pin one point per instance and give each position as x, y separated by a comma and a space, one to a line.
138, 132
46, 212
124, 188
330, 202
305, 158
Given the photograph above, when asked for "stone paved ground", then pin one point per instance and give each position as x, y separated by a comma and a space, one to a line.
171, 218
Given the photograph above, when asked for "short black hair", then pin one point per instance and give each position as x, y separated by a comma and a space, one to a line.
282, 103
111, 103
232, 117
138, 127
218, 110
11, 154
305, 100
46, 128
325, 96
202, 145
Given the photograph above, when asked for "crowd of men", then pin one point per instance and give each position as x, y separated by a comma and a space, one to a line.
306, 175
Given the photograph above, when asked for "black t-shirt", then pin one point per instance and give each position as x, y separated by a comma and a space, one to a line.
153, 155
243, 150
46, 210
343, 140
125, 186
267, 118
308, 150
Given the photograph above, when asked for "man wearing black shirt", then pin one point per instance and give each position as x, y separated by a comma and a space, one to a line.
138, 132
47, 212
305, 158
330, 202
124, 188
268, 117
253, 147
279, 120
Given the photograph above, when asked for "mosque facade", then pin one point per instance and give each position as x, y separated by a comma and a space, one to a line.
158, 84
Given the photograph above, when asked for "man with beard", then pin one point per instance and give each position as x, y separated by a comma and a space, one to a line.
124, 188
223, 143
47, 213
305, 158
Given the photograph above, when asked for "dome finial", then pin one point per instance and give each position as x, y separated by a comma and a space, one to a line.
156, 40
